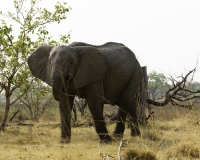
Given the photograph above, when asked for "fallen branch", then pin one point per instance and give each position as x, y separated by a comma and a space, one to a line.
24, 124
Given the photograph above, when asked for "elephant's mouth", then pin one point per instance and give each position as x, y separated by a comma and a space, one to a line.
67, 81
66, 87
65, 90
61, 85
68, 77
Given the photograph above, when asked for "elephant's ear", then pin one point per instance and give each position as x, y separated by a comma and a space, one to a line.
39, 64
92, 67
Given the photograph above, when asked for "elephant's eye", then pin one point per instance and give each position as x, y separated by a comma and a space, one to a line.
71, 63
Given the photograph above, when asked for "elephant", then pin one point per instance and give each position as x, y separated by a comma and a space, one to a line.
101, 74
80, 104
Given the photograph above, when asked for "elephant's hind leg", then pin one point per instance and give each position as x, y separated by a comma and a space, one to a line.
120, 127
128, 107
133, 119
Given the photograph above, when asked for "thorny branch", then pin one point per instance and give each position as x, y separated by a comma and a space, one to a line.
178, 94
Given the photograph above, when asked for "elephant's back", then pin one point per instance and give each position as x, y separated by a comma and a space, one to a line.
120, 58
105, 45
122, 64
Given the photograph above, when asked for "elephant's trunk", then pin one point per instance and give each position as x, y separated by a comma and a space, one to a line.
57, 92
57, 84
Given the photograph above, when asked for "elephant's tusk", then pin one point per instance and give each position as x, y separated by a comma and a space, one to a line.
70, 74
70, 95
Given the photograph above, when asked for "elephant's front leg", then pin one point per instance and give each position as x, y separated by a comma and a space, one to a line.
96, 109
65, 107
95, 104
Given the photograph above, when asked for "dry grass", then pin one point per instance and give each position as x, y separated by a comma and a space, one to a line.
182, 151
139, 155
173, 134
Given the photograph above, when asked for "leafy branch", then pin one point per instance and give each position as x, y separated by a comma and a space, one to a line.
15, 76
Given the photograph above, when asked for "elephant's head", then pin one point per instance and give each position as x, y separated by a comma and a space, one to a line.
63, 66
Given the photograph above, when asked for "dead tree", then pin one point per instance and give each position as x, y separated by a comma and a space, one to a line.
143, 95
178, 94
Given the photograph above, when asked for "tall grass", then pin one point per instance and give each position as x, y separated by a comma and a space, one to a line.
173, 133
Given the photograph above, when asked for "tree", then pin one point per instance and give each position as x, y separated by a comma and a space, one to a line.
178, 93
36, 100
31, 20
157, 84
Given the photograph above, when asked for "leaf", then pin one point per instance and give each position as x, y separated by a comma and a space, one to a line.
31, 21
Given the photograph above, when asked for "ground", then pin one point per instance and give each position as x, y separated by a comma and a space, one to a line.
173, 133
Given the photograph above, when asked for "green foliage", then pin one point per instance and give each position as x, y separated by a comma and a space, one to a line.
31, 21
157, 84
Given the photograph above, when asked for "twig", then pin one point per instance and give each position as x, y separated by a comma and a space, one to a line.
119, 150
14, 115
120, 146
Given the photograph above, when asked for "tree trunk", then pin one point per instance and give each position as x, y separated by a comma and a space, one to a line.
143, 96
7, 109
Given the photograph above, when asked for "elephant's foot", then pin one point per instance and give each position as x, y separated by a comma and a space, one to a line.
135, 131
117, 137
65, 140
105, 139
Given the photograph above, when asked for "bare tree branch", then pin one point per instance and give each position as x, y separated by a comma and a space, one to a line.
178, 93
14, 115
21, 95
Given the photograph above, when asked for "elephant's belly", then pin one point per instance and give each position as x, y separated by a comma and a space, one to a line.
113, 89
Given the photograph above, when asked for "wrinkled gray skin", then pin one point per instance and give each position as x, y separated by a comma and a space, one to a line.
109, 73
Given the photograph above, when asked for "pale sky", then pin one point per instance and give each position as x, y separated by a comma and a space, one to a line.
163, 34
